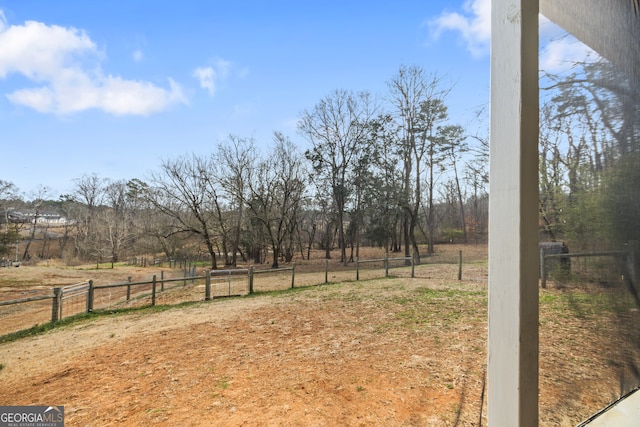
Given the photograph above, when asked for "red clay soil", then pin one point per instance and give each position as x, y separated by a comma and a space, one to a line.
383, 352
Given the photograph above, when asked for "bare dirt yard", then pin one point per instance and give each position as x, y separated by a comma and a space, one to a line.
384, 352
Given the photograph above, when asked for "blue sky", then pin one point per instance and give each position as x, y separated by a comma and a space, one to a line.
112, 88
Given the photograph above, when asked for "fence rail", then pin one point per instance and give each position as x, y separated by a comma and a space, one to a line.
68, 292
87, 289
629, 255
22, 300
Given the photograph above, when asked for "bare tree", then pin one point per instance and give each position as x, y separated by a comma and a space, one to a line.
385, 184
418, 100
9, 234
119, 232
185, 192
432, 148
337, 129
89, 195
39, 196
276, 192
453, 139
235, 160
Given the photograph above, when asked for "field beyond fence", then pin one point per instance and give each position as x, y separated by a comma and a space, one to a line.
380, 351
146, 284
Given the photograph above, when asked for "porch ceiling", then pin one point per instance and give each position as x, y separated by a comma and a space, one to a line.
610, 27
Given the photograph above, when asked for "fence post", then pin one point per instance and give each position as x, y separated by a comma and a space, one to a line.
633, 269
90, 297
184, 275
153, 291
162, 281
87, 300
128, 288
207, 285
459, 265
193, 274
229, 283
326, 271
250, 279
55, 305
357, 269
543, 270
413, 266
386, 264
293, 275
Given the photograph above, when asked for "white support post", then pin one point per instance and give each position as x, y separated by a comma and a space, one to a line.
513, 220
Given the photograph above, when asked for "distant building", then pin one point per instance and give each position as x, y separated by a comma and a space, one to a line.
40, 218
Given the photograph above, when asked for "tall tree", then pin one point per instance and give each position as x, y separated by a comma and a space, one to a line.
8, 234
119, 231
185, 192
418, 101
39, 196
276, 194
590, 127
89, 194
384, 189
336, 127
234, 161
432, 147
454, 143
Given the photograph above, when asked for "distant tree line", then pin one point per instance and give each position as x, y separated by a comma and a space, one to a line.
590, 158
392, 172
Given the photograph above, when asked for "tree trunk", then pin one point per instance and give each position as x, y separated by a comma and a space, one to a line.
276, 255
236, 243
463, 221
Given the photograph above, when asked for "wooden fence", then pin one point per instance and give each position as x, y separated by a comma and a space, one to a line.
85, 292
629, 256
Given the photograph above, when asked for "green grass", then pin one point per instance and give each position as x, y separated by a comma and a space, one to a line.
45, 327
96, 314
423, 305
430, 307
582, 304
223, 383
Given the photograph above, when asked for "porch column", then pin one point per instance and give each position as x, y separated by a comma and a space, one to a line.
513, 216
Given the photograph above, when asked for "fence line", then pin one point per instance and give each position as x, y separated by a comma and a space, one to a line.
386, 260
87, 289
71, 291
29, 299
629, 255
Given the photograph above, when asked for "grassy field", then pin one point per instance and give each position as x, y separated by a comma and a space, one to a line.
396, 351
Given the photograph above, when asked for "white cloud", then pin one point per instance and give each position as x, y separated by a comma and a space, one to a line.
65, 64
207, 77
474, 25
559, 50
210, 76
113, 95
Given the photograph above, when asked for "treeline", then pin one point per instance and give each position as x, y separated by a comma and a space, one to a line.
590, 158
391, 172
